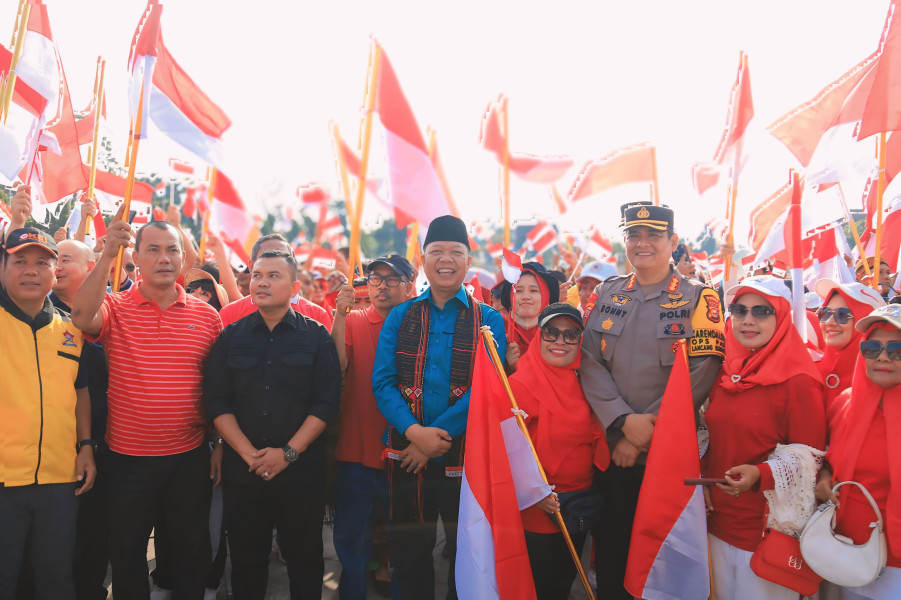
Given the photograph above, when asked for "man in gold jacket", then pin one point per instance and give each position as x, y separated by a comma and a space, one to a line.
46, 456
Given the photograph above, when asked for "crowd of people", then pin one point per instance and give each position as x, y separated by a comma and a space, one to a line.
211, 407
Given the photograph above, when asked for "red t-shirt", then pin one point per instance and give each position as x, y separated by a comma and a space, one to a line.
237, 310
361, 424
855, 513
744, 429
155, 371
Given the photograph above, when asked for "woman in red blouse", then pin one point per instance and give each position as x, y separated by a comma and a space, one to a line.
866, 448
768, 392
843, 305
567, 437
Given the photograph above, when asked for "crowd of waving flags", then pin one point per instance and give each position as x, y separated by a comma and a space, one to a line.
846, 156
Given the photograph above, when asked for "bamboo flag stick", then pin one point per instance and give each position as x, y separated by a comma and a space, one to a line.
853, 227
98, 102
656, 185
22, 4
371, 88
877, 261
14, 62
492, 352
505, 174
135, 140
730, 237
343, 179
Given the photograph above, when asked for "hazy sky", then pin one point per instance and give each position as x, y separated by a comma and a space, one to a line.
583, 78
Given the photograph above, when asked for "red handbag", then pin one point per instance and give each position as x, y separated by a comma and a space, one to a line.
778, 559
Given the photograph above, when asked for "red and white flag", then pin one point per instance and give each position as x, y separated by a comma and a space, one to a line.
511, 265
495, 250
413, 190
332, 231
323, 258
597, 246
528, 167
87, 118
228, 214
542, 237
730, 153
632, 164
498, 481
109, 192
180, 166
175, 104
313, 193
668, 552
882, 110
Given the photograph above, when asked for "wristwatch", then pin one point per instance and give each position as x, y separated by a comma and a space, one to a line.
291, 454
618, 422
81, 444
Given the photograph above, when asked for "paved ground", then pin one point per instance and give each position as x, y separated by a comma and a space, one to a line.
278, 577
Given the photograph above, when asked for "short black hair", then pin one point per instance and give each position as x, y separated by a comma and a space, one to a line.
255, 250
158, 225
287, 256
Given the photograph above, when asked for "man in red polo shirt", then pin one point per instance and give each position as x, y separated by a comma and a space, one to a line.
241, 308
361, 483
156, 338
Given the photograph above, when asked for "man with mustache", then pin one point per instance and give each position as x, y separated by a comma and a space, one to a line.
362, 484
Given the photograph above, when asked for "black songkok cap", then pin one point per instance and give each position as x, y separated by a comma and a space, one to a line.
447, 228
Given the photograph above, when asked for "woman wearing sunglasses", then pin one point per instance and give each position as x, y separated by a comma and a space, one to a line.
866, 448
768, 392
567, 437
535, 290
843, 305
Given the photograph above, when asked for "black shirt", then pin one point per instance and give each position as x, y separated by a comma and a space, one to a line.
271, 381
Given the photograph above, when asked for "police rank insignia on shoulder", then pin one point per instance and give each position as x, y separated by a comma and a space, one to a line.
675, 300
69, 339
607, 324
620, 299
674, 329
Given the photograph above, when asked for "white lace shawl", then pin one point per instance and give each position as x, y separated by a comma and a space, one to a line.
792, 500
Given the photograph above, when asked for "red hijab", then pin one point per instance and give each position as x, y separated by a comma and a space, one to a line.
782, 358
523, 335
855, 427
565, 420
840, 361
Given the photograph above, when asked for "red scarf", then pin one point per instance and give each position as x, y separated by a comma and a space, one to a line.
840, 361
855, 427
782, 358
516, 332
565, 420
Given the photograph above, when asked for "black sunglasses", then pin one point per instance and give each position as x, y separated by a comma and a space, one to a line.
871, 349
842, 315
758, 311
570, 336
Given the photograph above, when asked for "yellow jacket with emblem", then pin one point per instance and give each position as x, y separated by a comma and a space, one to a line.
37, 397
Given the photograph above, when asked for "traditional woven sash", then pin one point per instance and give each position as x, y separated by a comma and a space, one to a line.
412, 348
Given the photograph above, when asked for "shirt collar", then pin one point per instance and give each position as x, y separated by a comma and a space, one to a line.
40, 320
461, 295
291, 319
139, 298
372, 315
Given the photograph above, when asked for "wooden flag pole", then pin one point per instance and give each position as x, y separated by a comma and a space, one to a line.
98, 101
505, 174
853, 227
656, 184
877, 261
22, 5
14, 62
343, 179
371, 89
135, 140
490, 344
730, 238
205, 227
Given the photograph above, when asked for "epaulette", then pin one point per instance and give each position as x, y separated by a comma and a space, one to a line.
612, 277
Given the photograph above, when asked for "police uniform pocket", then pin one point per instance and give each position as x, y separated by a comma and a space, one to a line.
669, 332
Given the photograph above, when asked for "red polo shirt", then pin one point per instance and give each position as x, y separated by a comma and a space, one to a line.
361, 424
155, 371
237, 310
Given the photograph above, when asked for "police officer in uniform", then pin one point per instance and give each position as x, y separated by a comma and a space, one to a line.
633, 324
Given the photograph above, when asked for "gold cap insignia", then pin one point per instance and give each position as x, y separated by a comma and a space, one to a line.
643, 213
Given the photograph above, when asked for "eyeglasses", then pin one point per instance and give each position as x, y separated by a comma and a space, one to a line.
842, 315
390, 280
129, 268
871, 349
570, 336
758, 311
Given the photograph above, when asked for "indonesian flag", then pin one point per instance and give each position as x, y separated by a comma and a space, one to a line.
24, 95
88, 117
495, 250
332, 231
59, 173
227, 211
302, 252
882, 111
323, 258
597, 246
181, 166
19, 133
511, 265
413, 188
729, 153
442, 179
500, 477
765, 215
668, 552
891, 225
528, 167
542, 237
632, 164
109, 191
171, 99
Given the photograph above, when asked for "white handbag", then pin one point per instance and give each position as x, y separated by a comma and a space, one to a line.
837, 558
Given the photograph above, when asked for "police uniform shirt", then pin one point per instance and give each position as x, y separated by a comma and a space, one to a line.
630, 337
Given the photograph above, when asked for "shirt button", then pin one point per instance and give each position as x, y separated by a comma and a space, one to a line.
267, 387
265, 413
271, 339
268, 362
